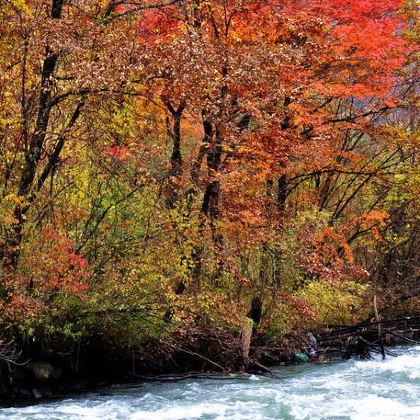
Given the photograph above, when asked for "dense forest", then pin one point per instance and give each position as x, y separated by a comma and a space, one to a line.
192, 177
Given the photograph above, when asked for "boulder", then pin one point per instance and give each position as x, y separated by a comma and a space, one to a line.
43, 371
36, 394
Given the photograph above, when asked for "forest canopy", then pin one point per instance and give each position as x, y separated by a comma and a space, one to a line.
171, 169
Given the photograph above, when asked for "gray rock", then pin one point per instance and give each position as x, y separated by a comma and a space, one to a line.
37, 394
43, 371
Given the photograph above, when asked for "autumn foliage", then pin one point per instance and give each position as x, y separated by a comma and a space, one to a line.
166, 165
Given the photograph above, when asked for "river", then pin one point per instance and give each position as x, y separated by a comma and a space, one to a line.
355, 390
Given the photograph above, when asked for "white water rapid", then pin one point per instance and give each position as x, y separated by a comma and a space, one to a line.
353, 390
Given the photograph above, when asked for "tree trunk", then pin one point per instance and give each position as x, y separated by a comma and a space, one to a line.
176, 156
11, 251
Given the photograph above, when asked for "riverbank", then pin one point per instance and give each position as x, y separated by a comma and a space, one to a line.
39, 375
47, 375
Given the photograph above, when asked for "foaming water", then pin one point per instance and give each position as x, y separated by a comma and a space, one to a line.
354, 390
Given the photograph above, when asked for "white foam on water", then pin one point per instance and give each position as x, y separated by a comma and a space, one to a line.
367, 408
181, 412
373, 407
362, 390
335, 382
246, 410
109, 410
407, 364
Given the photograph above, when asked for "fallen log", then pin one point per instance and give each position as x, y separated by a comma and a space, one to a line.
349, 340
